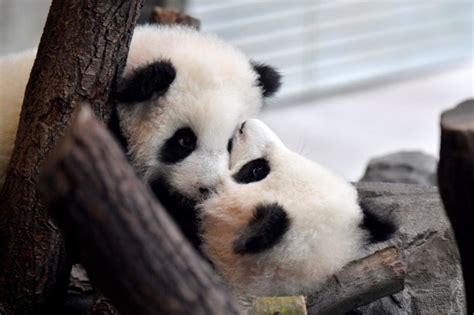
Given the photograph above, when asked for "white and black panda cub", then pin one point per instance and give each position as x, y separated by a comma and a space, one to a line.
182, 95
281, 224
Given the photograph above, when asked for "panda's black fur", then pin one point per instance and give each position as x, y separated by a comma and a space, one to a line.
271, 222
175, 78
151, 82
267, 227
281, 224
181, 209
379, 228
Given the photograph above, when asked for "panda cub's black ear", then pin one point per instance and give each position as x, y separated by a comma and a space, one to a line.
380, 228
265, 230
268, 78
143, 83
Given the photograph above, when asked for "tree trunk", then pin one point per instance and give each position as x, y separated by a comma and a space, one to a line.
83, 48
131, 249
456, 185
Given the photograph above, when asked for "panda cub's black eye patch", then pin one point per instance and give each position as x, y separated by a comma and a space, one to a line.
266, 229
230, 144
253, 171
179, 146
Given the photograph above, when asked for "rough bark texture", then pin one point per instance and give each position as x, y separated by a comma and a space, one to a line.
170, 17
83, 47
129, 246
456, 184
359, 283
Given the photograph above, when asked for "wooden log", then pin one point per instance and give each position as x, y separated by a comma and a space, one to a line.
171, 17
359, 283
131, 249
456, 184
159, 16
83, 48
281, 305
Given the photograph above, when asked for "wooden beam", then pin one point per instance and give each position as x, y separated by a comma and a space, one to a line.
456, 184
359, 283
132, 250
83, 48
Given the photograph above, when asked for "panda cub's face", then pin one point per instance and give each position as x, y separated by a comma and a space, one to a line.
280, 224
182, 96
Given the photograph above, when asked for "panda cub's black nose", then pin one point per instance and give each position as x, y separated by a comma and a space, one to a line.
205, 192
241, 129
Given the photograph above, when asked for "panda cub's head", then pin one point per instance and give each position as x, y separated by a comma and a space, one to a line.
181, 96
281, 224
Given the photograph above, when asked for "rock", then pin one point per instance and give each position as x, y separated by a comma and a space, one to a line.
434, 282
410, 167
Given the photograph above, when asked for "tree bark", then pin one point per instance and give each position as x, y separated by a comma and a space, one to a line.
131, 249
456, 184
359, 283
83, 47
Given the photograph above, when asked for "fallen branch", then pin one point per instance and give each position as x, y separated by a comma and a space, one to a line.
456, 184
131, 249
359, 283
83, 47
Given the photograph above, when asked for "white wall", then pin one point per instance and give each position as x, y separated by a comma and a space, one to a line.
21, 24
343, 132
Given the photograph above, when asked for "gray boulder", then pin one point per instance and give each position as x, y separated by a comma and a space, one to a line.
409, 167
434, 282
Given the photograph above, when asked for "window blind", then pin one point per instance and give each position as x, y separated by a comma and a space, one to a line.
322, 47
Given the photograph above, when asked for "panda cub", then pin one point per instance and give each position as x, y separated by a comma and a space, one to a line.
180, 98
281, 224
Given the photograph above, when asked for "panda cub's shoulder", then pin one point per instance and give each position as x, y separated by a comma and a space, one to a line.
14, 74
282, 224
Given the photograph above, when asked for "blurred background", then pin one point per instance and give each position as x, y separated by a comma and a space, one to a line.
360, 78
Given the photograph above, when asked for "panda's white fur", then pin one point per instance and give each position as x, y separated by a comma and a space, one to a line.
14, 73
324, 220
215, 89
